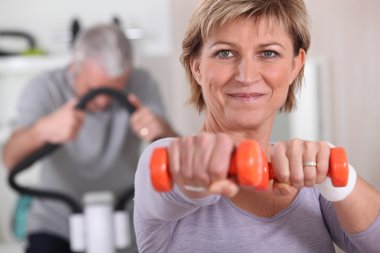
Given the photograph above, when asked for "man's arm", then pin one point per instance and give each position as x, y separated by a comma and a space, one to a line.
58, 127
22, 142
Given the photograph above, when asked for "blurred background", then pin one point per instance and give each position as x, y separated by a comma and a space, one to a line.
338, 103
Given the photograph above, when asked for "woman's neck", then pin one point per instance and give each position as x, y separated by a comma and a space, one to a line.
263, 204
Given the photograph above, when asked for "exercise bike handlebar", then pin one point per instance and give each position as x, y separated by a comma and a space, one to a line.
49, 148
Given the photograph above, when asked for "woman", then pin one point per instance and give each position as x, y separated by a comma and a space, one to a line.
245, 61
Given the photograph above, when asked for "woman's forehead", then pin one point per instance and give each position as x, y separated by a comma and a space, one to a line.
256, 27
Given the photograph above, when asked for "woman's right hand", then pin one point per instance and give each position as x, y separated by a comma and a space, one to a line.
62, 125
202, 161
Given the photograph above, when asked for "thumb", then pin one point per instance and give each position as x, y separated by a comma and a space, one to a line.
72, 103
224, 187
135, 101
281, 189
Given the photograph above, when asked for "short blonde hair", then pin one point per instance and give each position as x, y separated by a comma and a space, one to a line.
209, 14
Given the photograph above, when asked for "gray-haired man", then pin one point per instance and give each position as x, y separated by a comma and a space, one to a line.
102, 147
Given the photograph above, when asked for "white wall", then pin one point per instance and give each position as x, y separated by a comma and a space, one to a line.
50, 21
347, 34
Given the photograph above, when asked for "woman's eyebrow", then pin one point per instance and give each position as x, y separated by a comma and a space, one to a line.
218, 43
268, 44
261, 45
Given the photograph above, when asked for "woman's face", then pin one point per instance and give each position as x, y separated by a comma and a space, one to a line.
245, 69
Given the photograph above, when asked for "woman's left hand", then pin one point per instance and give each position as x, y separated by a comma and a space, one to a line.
299, 163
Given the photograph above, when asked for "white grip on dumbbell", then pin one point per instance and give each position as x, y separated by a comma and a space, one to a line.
334, 194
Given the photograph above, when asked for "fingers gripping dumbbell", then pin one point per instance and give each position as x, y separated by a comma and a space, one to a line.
249, 165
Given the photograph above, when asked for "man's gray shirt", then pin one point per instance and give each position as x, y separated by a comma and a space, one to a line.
104, 155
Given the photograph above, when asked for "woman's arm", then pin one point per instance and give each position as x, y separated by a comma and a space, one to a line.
353, 209
362, 240
168, 206
155, 213
359, 209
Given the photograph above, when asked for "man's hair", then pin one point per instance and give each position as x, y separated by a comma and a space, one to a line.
210, 14
105, 44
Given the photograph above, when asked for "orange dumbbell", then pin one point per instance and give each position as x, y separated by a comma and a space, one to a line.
249, 164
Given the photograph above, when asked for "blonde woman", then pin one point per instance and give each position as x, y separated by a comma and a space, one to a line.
245, 61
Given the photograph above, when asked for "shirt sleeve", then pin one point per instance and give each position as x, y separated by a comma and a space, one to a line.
365, 241
33, 102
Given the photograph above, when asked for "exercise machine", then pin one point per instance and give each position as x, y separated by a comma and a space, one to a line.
101, 225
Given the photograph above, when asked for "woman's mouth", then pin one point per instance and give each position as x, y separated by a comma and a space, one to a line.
250, 96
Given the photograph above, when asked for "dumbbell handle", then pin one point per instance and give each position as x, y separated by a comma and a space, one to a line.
248, 164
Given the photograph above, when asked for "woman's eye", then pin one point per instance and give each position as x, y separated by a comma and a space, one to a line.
269, 54
224, 54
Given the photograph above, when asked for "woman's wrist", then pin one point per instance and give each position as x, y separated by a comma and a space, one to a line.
332, 193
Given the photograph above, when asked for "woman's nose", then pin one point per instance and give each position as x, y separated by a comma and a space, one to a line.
247, 72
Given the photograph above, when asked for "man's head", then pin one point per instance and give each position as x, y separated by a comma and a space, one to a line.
102, 57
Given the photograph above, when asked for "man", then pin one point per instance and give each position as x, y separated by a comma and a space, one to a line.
101, 146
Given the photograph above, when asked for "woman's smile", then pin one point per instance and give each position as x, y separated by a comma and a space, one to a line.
246, 96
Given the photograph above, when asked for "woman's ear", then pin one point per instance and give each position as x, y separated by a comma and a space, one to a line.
195, 69
298, 63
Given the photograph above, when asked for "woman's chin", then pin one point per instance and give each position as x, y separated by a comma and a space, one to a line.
243, 124
244, 119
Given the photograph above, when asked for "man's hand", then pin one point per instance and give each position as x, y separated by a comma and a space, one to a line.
146, 124
62, 125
